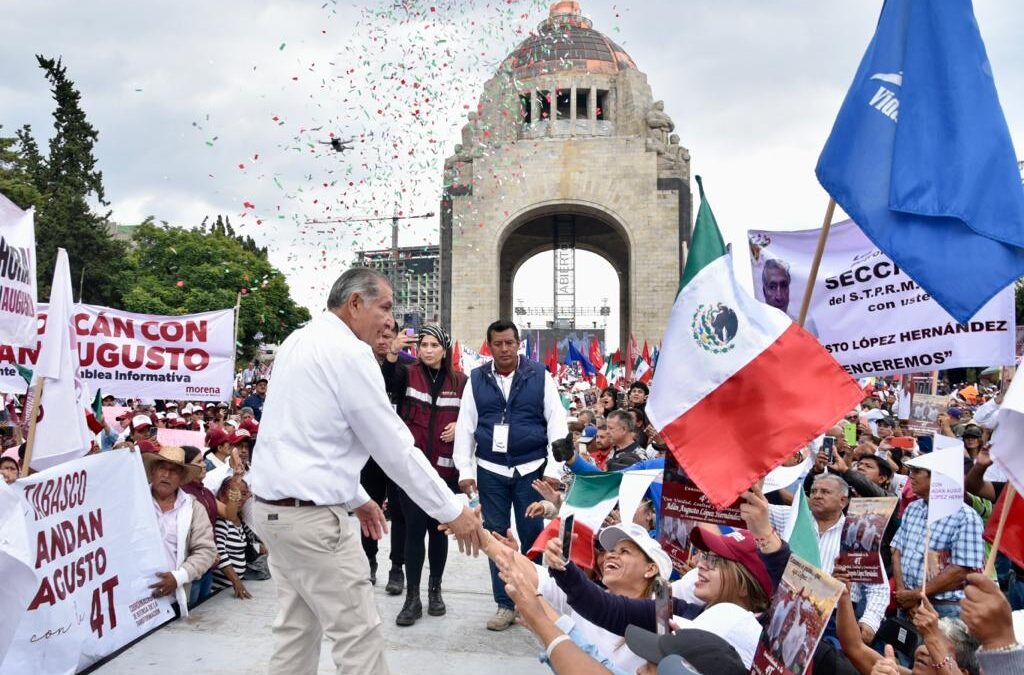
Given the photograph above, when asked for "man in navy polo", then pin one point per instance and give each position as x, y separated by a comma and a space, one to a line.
509, 415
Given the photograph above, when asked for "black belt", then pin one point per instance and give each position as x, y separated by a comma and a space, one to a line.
287, 501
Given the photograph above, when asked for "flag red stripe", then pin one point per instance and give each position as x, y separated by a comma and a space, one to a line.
582, 546
788, 395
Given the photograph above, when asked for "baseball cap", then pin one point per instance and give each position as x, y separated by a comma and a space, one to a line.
148, 446
737, 626
705, 651
973, 431
738, 546
240, 436
954, 412
141, 422
215, 438
250, 425
638, 535
589, 433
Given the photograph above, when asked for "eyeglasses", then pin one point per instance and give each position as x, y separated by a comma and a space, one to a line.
707, 560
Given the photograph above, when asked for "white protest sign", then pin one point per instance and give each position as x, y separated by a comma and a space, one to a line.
17, 274
15, 566
96, 548
870, 315
188, 357
947, 482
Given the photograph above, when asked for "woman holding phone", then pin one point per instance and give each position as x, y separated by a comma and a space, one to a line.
427, 396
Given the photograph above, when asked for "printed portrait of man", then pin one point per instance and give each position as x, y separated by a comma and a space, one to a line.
775, 283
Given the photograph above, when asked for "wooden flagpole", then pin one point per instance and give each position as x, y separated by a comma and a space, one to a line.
37, 399
813, 276
1011, 494
927, 544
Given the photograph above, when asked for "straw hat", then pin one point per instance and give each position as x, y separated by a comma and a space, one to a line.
171, 455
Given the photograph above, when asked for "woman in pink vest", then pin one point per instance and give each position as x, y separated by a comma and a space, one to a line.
427, 393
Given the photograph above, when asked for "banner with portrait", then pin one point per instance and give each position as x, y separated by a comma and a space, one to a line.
868, 313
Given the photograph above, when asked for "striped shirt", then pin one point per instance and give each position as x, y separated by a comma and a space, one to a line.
232, 541
958, 536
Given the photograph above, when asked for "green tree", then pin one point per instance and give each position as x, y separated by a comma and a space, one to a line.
66, 179
180, 271
16, 180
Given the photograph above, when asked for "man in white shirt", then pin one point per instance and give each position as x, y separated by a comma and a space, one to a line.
326, 413
509, 415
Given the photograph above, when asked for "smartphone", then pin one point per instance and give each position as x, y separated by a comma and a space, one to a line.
905, 442
620, 400
410, 332
662, 605
565, 534
828, 444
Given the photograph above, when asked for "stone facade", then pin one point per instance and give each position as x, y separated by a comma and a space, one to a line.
574, 132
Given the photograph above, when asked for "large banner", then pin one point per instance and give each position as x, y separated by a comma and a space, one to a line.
17, 274
871, 316
189, 357
96, 548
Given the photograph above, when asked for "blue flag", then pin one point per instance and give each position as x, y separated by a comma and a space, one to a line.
575, 355
921, 158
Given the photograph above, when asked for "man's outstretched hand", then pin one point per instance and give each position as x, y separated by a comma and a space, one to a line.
467, 530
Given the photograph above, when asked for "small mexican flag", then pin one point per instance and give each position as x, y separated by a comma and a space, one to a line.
739, 386
94, 414
591, 498
641, 370
801, 531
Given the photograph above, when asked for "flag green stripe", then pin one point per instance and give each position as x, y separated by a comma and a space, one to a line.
706, 244
803, 542
591, 489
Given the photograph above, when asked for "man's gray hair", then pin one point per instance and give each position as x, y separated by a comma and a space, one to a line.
624, 417
844, 487
246, 410
774, 264
965, 646
362, 280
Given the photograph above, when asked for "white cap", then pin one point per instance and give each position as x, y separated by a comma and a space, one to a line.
641, 537
737, 626
171, 404
140, 421
172, 415
160, 416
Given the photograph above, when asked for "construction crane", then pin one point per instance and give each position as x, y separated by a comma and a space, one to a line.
394, 224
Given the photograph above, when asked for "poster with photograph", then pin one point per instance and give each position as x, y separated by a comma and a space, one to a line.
924, 413
683, 505
798, 616
861, 544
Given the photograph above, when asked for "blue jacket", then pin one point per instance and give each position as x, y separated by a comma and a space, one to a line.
523, 413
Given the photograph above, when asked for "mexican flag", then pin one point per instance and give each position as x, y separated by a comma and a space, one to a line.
94, 414
591, 498
739, 386
641, 370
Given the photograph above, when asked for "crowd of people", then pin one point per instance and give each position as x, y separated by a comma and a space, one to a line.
443, 452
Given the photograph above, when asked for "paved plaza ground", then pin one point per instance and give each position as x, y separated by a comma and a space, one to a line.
225, 636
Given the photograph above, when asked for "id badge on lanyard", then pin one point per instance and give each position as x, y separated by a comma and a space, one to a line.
500, 439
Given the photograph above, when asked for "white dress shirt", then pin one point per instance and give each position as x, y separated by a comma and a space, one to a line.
877, 595
325, 414
464, 452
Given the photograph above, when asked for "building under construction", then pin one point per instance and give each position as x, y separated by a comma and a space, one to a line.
415, 276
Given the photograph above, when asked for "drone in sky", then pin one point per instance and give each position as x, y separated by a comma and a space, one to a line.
339, 145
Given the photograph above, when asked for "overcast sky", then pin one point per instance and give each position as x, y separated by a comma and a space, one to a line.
202, 107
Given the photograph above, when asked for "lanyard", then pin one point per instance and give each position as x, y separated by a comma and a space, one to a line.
499, 382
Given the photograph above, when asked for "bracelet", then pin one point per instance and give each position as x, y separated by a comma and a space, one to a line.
554, 643
944, 662
764, 541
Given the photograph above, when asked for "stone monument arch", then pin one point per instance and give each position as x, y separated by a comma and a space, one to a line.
567, 148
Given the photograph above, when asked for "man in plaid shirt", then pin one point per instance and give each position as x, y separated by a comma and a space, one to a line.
956, 539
